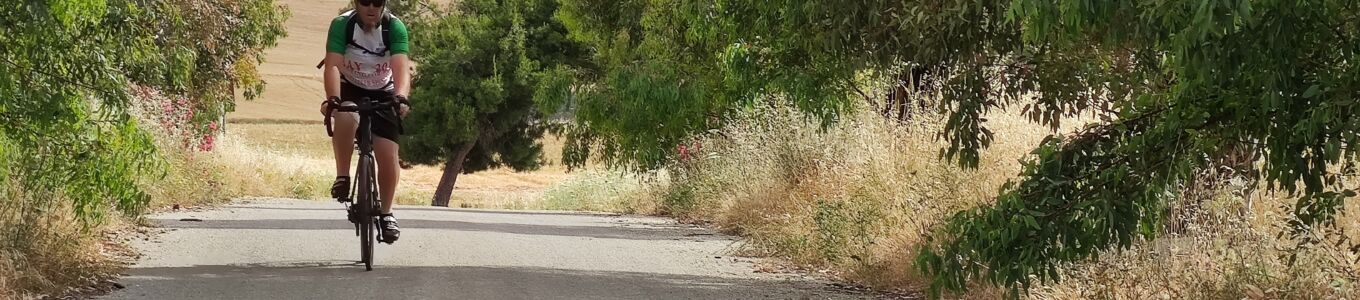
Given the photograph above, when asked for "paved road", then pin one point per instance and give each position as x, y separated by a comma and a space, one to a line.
291, 249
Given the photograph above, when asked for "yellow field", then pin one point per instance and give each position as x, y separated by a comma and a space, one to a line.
294, 89
501, 188
285, 119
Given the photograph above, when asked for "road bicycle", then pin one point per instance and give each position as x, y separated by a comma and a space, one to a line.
364, 210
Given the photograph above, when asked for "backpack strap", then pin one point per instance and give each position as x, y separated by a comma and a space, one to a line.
352, 21
386, 33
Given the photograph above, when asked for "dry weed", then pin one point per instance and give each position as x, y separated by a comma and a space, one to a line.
252, 170
856, 199
1224, 254
44, 250
300, 153
598, 191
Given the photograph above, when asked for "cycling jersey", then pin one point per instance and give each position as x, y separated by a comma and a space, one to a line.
368, 58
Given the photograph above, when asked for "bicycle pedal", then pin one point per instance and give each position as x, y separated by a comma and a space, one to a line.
351, 215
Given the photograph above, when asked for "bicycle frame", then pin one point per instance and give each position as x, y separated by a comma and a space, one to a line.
365, 190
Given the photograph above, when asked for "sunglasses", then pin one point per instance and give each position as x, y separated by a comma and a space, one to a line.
373, 3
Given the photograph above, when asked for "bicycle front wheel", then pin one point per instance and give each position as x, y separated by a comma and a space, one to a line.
366, 198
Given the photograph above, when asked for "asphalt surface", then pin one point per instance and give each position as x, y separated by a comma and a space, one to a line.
292, 249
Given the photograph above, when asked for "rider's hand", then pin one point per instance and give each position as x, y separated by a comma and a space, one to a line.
404, 107
326, 105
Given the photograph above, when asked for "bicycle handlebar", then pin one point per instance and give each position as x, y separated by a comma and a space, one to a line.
365, 105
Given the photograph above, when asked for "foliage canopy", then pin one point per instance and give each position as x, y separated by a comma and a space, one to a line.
474, 92
68, 70
1173, 83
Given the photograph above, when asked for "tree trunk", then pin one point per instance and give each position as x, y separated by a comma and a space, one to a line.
452, 168
893, 97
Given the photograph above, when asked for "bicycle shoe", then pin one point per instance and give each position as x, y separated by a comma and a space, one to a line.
390, 231
340, 189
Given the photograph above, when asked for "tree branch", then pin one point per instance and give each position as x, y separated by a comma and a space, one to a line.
62, 79
861, 93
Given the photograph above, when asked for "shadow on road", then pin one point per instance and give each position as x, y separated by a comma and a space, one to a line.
606, 231
439, 209
342, 280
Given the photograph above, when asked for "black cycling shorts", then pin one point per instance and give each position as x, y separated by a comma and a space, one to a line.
387, 125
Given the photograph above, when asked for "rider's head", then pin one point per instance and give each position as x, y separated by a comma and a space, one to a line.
370, 11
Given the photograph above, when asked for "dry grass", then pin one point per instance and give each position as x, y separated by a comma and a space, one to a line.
600, 191
255, 170
856, 200
293, 148
1226, 255
45, 250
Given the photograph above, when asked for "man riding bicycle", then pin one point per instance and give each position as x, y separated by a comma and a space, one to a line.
366, 57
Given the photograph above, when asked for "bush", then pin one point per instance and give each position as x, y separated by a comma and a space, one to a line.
851, 199
72, 152
858, 198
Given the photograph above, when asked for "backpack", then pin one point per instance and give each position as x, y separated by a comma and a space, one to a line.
354, 23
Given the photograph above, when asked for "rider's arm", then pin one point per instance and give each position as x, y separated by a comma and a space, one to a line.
401, 74
332, 76
401, 66
333, 63
335, 56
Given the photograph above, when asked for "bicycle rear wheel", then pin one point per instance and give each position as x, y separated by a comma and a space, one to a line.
366, 198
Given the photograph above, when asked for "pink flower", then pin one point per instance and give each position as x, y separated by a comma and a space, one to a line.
207, 144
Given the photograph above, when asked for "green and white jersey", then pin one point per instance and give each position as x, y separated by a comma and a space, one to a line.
368, 62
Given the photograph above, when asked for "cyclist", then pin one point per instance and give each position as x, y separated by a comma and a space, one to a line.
366, 56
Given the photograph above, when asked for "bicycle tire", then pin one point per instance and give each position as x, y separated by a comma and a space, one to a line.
366, 212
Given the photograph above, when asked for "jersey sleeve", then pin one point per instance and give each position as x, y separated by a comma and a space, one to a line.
336, 39
400, 38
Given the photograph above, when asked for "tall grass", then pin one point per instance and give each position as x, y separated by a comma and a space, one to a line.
45, 251
1233, 250
598, 190
853, 199
258, 171
303, 148
856, 199
236, 169
43, 248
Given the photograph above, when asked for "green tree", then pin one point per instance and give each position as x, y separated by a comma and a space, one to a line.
1198, 78
654, 86
474, 90
67, 71
1174, 84
671, 69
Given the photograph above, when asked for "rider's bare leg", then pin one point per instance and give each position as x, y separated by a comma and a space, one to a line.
342, 140
389, 170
